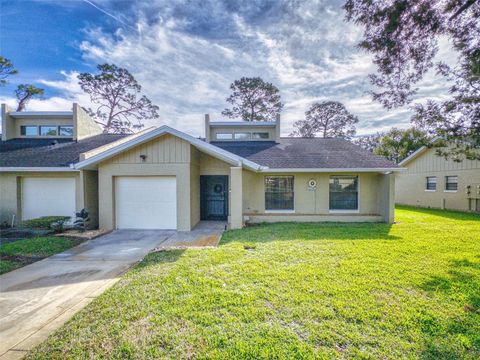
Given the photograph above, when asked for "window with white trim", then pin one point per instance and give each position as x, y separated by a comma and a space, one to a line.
65, 130
48, 130
279, 194
242, 136
29, 130
343, 192
224, 136
260, 135
451, 183
431, 183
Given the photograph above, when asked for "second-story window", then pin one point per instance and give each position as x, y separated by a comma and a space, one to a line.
65, 130
242, 136
224, 136
48, 130
260, 135
28, 130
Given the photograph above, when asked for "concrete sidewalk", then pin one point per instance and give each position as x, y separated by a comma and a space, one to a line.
37, 299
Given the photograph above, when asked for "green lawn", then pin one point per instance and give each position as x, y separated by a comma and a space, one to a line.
409, 290
23, 252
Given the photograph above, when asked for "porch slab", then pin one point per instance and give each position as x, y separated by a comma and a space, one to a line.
205, 234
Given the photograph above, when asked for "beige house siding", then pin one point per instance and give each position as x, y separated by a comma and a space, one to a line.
165, 156
194, 186
11, 192
410, 186
8, 197
89, 179
305, 200
84, 125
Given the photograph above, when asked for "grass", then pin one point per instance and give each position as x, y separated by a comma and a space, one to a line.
409, 290
23, 252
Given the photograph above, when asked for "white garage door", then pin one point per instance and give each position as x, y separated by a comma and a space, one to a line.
146, 202
48, 197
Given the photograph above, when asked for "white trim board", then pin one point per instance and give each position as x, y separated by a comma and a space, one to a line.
157, 132
328, 170
37, 169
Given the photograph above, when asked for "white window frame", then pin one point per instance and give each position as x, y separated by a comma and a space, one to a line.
225, 139
60, 126
278, 211
346, 211
52, 126
249, 135
426, 184
446, 182
33, 126
260, 138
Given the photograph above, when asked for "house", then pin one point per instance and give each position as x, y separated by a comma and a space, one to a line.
160, 178
433, 181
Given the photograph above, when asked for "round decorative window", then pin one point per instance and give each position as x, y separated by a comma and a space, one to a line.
218, 188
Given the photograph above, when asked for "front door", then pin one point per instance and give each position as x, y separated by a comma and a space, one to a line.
214, 197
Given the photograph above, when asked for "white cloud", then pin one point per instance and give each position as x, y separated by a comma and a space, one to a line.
186, 56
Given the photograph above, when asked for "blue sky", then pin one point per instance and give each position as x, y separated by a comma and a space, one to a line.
186, 53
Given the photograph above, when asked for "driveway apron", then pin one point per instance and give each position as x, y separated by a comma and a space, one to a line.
38, 298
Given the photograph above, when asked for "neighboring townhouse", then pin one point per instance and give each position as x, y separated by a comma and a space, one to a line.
162, 178
433, 181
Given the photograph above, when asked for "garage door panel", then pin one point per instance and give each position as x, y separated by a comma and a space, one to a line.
146, 202
47, 197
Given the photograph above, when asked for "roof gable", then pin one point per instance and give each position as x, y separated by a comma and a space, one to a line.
157, 132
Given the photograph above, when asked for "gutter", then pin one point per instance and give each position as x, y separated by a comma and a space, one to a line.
38, 169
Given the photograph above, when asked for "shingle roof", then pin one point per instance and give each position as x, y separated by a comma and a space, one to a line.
49, 152
306, 153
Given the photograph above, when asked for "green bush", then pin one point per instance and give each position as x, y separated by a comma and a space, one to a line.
55, 223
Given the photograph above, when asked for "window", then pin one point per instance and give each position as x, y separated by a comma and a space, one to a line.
65, 130
279, 193
451, 183
344, 193
242, 136
224, 136
28, 130
431, 183
48, 130
260, 135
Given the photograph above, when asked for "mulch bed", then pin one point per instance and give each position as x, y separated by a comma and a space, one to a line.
86, 235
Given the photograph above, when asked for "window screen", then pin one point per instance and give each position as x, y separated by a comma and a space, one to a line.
451, 183
279, 193
431, 183
343, 193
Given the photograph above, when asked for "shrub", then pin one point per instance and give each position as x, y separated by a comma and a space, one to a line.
55, 223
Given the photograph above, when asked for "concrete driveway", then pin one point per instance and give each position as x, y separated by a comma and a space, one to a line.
38, 298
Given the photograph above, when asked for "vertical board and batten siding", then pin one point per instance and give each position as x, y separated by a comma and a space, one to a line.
166, 155
411, 183
167, 149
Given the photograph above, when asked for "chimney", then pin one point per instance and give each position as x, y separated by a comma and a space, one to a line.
277, 128
207, 128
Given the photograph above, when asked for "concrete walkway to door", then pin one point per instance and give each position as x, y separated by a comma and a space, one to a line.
37, 299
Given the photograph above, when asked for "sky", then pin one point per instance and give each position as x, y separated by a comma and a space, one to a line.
186, 53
